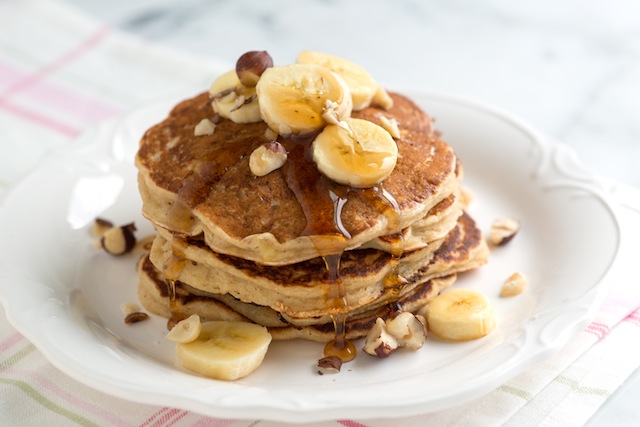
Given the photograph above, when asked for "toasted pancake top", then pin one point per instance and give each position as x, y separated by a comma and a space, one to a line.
194, 184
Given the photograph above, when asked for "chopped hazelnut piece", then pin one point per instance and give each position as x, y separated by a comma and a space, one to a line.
205, 127
390, 125
503, 230
329, 365
119, 240
514, 285
407, 329
135, 317
379, 342
267, 158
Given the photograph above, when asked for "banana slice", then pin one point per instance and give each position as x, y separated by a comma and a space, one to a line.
356, 152
460, 315
293, 98
225, 350
234, 101
363, 87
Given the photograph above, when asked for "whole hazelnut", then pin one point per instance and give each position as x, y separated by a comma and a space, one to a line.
251, 65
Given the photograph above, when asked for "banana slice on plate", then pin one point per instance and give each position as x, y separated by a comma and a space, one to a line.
293, 98
233, 100
460, 315
225, 350
355, 152
363, 87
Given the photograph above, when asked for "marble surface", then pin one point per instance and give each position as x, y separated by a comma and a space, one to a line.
571, 68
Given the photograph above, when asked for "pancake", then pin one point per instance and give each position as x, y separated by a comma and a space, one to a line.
463, 249
153, 293
203, 185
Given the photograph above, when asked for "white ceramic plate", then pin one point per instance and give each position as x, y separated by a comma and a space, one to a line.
65, 296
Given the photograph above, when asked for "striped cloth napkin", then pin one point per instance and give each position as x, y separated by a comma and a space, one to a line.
61, 72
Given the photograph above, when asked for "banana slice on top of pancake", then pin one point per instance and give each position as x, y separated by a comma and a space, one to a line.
233, 100
355, 152
293, 98
364, 89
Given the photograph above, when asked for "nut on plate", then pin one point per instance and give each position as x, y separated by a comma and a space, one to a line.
267, 158
119, 240
379, 342
251, 65
135, 317
408, 329
100, 226
329, 365
514, 285
503, 230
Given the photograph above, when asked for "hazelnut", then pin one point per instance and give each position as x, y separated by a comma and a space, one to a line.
186, 330
204, 127
390, 125
503, 230
119, 240
267, 158
514, 285
135, 317
251, 65
329, 365
100, 226
379, 342
409, 330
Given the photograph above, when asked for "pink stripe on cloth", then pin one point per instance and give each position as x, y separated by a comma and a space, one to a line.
39, 119
600, 330
154, 416
351, 423
164, 417
10, 342
64, 395
69, 101
77, 51
59, 97
168, 418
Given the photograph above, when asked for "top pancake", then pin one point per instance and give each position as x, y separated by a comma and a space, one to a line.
203, 185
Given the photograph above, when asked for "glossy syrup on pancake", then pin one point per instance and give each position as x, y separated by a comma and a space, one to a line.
322, 201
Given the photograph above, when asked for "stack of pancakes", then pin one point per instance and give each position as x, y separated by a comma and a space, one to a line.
234, 246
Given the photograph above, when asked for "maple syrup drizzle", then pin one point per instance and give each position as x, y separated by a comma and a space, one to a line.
171, 271
194, 189
322, 202
393, 281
